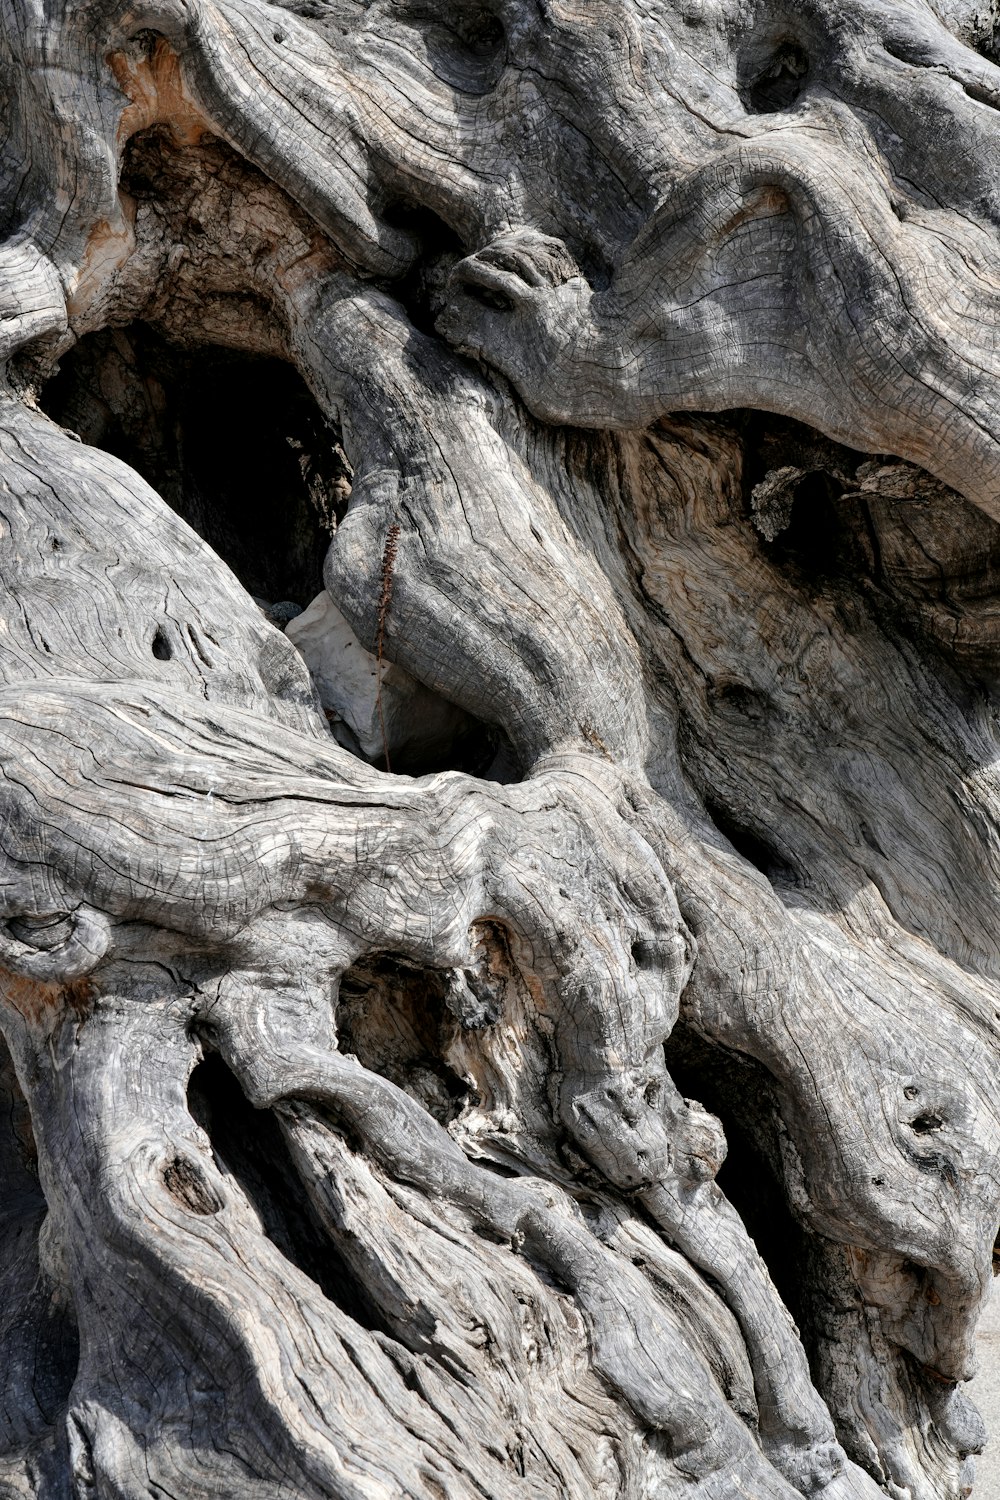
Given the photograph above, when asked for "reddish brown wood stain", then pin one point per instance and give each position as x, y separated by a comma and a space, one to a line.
156, 88
39, 1002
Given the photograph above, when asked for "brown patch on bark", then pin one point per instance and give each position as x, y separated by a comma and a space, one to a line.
156, 88
39, 1002
765, 203
108, 247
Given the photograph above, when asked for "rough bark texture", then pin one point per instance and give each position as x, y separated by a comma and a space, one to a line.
380, 996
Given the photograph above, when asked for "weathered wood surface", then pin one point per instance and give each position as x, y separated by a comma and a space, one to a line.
361, 1131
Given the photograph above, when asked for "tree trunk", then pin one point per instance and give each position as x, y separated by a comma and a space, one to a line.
499, 812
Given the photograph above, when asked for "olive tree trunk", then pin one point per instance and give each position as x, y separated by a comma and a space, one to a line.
499, 747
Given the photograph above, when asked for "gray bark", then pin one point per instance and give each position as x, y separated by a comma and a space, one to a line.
380, 998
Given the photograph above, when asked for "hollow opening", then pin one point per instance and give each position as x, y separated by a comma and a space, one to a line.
234, 443
777, 84
161, 647
424, 290
394, 1017
474, 748
488, 297
249, 1146
816, 539
926, 1123
987, 42
818, 526
875, 529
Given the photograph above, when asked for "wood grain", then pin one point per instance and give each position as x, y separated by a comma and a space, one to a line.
363, 1133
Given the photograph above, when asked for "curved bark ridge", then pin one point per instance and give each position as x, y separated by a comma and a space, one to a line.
359, 1159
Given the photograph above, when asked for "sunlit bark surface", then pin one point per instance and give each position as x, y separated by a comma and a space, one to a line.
499, 747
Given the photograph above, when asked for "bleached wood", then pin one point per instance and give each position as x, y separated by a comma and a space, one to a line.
345, 1148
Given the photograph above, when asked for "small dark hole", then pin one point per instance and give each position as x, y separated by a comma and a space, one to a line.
779, 84
162, 648
644, 954
923, 1124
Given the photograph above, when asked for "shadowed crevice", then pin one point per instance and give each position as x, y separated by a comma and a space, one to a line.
39, 1341
249, 1146
233, 442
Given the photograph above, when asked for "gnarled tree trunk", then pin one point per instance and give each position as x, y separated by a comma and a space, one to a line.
383, 982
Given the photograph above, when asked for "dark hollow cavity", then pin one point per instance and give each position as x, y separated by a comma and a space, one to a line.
39, 1340
425, 289
233, 442
161, 646
778, 84
395, 1018
926, 559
